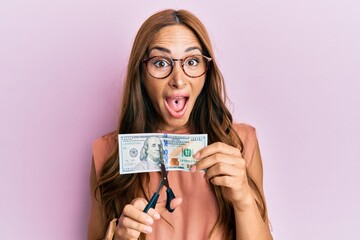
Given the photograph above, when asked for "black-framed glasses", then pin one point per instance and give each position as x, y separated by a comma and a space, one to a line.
161, 67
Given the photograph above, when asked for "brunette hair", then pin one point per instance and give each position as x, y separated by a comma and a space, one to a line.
209, 115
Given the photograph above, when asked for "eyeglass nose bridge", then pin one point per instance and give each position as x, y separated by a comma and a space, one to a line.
173, 60
180, 60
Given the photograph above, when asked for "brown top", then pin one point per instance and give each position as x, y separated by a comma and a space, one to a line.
197, 215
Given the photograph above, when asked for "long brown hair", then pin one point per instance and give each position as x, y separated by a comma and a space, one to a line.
209, 115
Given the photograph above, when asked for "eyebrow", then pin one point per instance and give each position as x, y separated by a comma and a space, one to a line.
168, 51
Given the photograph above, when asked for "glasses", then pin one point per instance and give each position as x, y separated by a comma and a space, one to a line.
161, 67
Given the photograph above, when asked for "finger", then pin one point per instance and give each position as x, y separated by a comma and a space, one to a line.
224, 170
134, 221
161, 206
154, 214
221, 181
225, 181
137, 214
217, 147
217, 158
122, 232
239, 189
139, 203
133, 227
126, 233
176, 202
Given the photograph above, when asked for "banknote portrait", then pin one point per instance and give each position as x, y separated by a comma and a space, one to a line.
151, 154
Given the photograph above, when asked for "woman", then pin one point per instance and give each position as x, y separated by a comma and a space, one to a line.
173, 85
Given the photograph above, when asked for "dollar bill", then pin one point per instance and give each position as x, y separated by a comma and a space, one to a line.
144, 152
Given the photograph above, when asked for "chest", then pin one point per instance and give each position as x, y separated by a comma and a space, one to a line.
196, 216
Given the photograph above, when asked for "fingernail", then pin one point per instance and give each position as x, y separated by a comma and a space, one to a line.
193, 168
147, 229
157, 216
196, 155
149, 220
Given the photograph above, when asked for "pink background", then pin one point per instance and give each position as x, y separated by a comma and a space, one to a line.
292, 70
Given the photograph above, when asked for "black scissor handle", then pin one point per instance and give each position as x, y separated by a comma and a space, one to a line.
169, 196
152, 202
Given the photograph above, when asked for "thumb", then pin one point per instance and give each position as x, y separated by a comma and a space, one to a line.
161, 206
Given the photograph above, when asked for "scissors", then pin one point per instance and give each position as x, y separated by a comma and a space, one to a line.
169, 193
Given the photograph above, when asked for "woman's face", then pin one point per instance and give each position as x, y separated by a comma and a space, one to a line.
174, 96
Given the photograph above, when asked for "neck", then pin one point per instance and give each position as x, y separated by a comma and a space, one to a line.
181, 130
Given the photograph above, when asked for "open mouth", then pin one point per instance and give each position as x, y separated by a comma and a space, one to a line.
176, 106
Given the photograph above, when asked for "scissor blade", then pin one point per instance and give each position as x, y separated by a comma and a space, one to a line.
164, 175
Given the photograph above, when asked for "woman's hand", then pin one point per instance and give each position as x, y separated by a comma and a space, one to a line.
134, 221
225, 167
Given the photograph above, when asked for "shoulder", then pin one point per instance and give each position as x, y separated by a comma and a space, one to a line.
102, 149
245, 131
247, 135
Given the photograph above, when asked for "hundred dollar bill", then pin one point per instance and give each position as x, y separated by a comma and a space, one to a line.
144, 152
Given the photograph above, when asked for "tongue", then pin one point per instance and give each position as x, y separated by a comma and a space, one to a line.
176, 104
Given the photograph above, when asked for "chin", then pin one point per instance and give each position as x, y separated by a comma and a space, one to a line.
177, 123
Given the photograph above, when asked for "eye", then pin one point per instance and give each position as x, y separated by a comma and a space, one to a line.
159, 62
192, 61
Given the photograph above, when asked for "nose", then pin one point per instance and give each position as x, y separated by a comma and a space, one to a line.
177, 77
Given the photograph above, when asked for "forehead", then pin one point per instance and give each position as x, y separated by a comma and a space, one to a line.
174, 38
